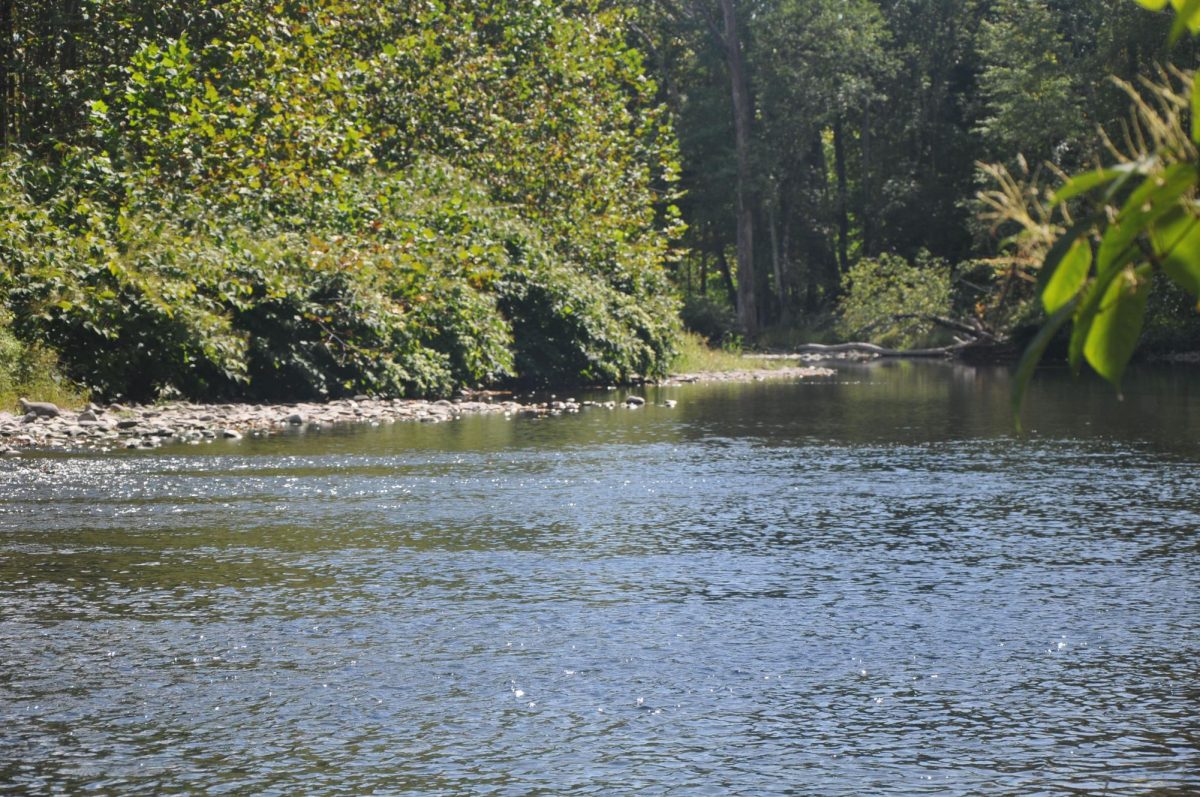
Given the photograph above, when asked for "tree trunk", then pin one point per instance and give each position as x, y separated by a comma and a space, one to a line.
843, 221
723, 262
868, 198
70, 24
6, 58
742, 118
777, 267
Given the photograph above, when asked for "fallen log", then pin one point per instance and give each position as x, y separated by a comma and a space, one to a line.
880, 351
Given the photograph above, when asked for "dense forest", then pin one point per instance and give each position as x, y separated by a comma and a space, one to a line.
324, 198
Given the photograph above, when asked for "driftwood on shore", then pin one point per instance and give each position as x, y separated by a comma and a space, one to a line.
880, 351
979, 341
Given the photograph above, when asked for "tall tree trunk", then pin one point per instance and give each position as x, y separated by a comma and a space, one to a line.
843, 215
868, 203
742, 118
70, 23
6, 59
777, 267
785, 211
723, 263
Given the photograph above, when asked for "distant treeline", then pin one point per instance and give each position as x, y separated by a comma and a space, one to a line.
821, 135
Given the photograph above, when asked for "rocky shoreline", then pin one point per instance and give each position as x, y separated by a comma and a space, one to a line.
102, 428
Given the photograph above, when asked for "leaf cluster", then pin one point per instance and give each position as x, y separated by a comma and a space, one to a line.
1095, 244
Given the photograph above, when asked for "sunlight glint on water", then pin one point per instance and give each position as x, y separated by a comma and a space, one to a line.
866, 585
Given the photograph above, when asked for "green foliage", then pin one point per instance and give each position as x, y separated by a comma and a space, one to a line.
31, 371
710, 318
1032, 93
298, 201
869, 119
892, 302
1139, 221
1187, 15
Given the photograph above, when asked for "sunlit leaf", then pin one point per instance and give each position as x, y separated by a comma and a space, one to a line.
1082, 183
1061, 247
1069, 277
1177, 243
1118, 325
1187, 18
1195, 114
1089, 306
1154, 198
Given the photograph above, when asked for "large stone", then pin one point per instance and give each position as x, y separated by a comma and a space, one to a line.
42, 409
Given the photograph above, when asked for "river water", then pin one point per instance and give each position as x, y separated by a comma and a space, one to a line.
861, 585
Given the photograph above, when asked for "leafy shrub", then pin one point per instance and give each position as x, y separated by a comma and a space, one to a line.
889, 301
319, 199
412, 283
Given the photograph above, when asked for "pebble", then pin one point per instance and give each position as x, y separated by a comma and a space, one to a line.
129, 426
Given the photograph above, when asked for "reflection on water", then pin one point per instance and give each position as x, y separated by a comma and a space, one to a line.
864, 585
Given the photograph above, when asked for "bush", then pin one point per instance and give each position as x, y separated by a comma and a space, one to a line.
889, 301
413, 283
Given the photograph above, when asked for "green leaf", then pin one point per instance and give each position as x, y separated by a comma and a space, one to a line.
1082, 183
1154, 198
1195, 114
1062, 247
1118, 325
1089, 307
1187, 19
1153, 5
1176, 241
1069, 277
1033, 355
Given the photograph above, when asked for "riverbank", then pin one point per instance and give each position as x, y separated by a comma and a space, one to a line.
117, 426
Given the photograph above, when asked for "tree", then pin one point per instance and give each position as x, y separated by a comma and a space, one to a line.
743, 116
723, 28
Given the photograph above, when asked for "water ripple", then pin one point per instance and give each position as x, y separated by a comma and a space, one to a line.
689, 602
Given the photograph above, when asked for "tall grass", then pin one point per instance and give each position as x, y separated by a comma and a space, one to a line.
697, 357
32, 372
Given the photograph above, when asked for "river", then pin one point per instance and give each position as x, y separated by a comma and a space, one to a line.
861, 585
